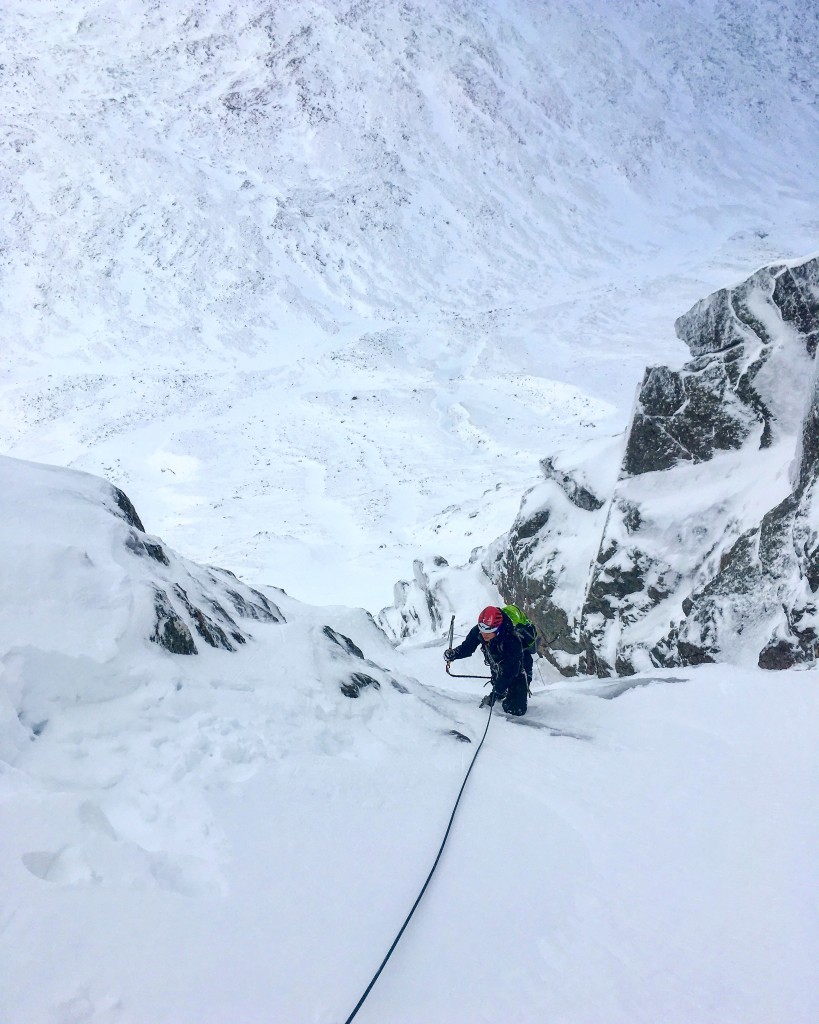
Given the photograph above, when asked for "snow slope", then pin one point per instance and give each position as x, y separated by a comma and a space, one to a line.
227, 837
289, 272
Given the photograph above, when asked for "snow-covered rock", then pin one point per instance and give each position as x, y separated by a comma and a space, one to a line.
149, 590
704, 545
93, 607
424, 606
764, 597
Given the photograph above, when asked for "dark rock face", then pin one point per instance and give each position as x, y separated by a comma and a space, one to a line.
357, 682
344, 642
170, 631
129, 513
718, 400
796, 294
683, 568
711, 415
210, 631
780, 654
808, 454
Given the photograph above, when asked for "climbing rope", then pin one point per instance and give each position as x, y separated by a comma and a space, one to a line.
360, 1002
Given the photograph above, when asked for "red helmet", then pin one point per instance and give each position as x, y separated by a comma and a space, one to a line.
490, 619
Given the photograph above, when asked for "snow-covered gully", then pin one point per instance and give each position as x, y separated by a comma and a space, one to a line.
323, 325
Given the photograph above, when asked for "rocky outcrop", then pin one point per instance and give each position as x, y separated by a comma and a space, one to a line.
339, 655
357, 682
704, 545
191, 600
127, 510
342, 641
419, 604
543, 564
768, 584
170, 631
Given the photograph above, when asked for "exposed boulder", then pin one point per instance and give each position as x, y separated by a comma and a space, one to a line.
142, 546
126, 507
342, 659
342, 641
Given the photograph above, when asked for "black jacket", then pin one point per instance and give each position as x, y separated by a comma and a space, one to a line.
503, 653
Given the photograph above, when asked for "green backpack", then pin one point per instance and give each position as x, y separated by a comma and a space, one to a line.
523, 627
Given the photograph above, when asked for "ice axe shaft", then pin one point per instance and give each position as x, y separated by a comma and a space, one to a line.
449, 672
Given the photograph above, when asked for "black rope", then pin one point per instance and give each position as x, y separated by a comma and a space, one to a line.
360, 1002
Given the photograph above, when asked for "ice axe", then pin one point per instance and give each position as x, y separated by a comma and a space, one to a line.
449, 672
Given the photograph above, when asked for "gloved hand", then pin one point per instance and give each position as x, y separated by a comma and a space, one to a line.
449, 654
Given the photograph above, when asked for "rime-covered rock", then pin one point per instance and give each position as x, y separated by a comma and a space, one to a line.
419, 606
702, 542
764, 596
543, 564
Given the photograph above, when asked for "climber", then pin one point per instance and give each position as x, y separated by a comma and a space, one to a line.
503, 653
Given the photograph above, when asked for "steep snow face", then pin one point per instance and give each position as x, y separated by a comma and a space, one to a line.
106, 634
276, 269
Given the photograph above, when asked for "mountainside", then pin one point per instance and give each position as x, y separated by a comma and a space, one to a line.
317, 286
276, 269
237, 835
705, 547
213, 168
